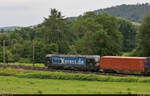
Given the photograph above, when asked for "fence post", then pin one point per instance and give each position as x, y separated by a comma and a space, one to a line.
4, 52
33, 53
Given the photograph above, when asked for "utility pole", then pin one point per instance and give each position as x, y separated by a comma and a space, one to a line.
4, 52
33, 50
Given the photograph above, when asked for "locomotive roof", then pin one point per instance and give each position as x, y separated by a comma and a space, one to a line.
87, 56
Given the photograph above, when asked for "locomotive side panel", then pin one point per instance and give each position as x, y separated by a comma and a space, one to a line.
72, 61
81, 62
123, 63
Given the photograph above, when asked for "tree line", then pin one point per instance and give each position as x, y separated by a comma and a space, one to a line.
88, 34
134, 13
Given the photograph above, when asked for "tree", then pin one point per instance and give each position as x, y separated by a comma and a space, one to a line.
144, 36
41, 50
101, 35
27, 33
85, 24
54, 30
129, 32
14, 38
22, 52
111, 27
4, 36
1, 53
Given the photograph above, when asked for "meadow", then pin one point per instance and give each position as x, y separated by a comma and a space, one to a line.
14, 85
24, 64
19, 81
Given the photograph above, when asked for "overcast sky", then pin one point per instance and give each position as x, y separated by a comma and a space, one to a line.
31, 12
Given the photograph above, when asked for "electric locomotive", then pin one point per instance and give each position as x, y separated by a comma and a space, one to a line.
74, 62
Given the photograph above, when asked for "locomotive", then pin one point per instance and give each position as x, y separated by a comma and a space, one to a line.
75, 62
99, 63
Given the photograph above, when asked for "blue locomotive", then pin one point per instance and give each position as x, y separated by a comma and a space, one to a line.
74, 62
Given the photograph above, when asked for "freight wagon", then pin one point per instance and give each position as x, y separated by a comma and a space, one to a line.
74, 62
125, 64
97, 63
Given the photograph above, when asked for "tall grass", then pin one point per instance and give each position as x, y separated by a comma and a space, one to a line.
20, 73
24, 64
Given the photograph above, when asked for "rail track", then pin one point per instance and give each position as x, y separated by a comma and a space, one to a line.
71, 71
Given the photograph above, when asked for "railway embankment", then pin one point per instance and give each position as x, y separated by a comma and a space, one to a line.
21, 73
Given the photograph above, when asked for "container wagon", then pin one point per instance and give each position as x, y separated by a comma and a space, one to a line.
125, 64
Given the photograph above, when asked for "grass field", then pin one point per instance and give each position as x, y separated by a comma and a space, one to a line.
19, 81
13, 85
25, 64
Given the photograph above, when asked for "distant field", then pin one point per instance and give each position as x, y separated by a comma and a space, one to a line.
19, 81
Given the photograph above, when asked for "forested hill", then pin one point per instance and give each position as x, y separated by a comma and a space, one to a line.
134, 13
9, 28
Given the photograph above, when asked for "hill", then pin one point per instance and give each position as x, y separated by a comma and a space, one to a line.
134, 13
9, 28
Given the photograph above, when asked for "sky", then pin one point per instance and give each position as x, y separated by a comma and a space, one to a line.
32, 12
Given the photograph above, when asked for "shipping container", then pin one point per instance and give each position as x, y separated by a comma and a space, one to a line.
123, 63
148, 64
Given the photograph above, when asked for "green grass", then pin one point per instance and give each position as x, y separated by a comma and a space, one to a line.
19, 81
26, 64
20, 73
14, 85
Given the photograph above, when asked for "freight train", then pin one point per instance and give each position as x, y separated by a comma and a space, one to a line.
99, 63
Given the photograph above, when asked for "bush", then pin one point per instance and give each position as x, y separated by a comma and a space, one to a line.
134, 52
24, 60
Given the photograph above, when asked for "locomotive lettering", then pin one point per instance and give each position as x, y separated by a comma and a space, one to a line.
68, 60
